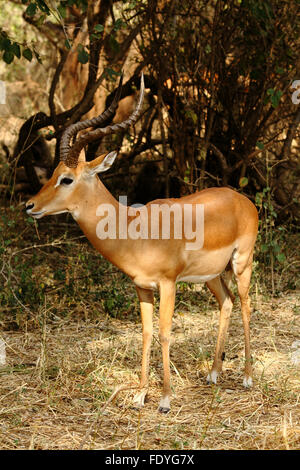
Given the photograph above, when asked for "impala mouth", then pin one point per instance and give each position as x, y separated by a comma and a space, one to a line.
36, 215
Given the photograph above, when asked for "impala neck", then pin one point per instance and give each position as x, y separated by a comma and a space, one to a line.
87, 216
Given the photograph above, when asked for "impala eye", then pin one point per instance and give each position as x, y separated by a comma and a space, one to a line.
66, 181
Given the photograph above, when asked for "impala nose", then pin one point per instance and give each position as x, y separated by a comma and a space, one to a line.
29, 207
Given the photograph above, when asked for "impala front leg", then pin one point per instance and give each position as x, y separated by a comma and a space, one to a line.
166, 309
146, 303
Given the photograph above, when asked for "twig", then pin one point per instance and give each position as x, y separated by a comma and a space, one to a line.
54, 243
111, 398
54, 83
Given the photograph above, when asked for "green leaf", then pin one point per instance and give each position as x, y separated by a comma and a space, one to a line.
281, 257
43, 6
15, 49
27, 53
95, 36
276, 248
62, 11
114, 44
68, 44
191, 114
83, 56
112, 73
4, 44
276, 98
264, 248
99, 28
118, 24
260, 145
243, 182
8, 57
31, 9
258, 199
41, 20
131, 5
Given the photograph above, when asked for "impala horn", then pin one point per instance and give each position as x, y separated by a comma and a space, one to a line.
69, 155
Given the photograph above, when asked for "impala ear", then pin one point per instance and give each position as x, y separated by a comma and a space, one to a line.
81, 157
101, 164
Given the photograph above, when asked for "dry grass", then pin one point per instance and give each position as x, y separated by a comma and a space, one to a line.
60, 375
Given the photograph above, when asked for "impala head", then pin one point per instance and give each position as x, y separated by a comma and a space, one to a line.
73, 176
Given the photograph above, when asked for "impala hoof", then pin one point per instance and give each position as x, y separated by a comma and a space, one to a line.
212, 377
163, 409
248, 382
139, 400
164, 405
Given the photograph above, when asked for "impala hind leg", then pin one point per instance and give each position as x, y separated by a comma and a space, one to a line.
225, 299
243, 276
166, 310
146, 303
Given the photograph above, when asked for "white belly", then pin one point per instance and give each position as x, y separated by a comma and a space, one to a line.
197, 279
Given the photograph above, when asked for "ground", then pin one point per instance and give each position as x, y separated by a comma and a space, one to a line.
58, 379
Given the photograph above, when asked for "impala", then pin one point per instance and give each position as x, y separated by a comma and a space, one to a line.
229, 234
